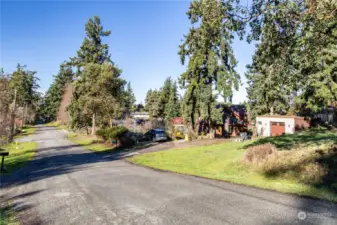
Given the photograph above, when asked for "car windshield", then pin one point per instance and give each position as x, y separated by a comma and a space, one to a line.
159, 132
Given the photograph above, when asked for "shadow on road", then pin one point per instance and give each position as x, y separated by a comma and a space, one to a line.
61, 160
15, 208
58, 159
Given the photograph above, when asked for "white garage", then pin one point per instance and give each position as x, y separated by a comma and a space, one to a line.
277, 125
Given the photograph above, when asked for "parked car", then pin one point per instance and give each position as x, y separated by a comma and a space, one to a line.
155, 135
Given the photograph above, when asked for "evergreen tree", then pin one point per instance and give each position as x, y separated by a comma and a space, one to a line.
317, 55
130, 99
211, 66
165, 92
5, 95
172, 109
5, 101
92, 49
103, 88
86, 100
25, 83
273, 77
55, 92
293, 68
152, 103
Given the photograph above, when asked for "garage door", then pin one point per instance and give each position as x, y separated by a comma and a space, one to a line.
277, 128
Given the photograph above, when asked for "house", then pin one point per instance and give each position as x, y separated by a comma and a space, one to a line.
275, 125
234, 121
328, 115
140, 115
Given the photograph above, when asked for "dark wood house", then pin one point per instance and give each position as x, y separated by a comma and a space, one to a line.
234, 121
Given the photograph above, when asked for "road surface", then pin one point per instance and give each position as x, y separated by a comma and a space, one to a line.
66, 184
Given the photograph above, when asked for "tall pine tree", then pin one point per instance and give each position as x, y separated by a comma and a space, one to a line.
172, 108
93, 57
211, 65
55, 92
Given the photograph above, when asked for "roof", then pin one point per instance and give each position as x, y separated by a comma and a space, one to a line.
140, 114
177, 120
280, 116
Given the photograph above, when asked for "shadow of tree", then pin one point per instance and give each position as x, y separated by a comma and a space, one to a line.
61, 162
71, 158
14, 209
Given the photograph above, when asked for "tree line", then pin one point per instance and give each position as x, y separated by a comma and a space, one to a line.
165, 102
99, 93
293, 69
19, 100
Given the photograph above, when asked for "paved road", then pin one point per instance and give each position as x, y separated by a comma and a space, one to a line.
66, 184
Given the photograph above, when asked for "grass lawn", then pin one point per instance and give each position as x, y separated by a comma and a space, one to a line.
90, 143
52, 124
57, 125
19, 154
26, 130
61, 127
223, 162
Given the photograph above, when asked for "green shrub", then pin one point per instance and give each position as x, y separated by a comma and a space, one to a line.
102, 133
114, 133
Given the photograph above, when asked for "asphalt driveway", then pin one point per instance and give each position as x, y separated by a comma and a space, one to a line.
66, 184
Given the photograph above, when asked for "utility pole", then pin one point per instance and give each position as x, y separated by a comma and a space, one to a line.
11, 135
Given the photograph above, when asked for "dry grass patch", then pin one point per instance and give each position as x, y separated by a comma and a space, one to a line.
259, 155
309, 165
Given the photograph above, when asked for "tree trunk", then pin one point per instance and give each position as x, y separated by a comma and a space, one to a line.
272, 110
93, 128
24, 116
110, 122
12, 128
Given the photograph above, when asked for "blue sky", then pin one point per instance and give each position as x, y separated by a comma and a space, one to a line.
144, 38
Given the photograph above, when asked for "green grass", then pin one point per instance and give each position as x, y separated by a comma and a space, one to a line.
52, 124
61, 127
90, 143
57, 125
222, 162
306, 138
7, 215
19, 154
26, 131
